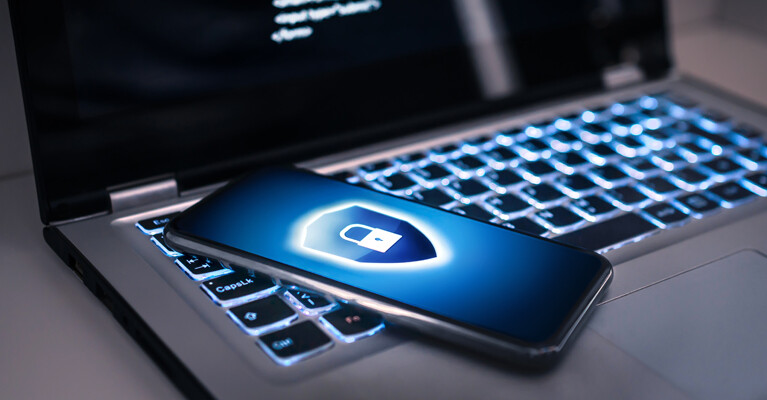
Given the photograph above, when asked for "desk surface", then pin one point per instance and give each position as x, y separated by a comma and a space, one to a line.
58, 341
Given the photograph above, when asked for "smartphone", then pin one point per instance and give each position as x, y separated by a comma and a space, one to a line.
476, 284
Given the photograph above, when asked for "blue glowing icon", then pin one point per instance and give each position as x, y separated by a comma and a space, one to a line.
367, 236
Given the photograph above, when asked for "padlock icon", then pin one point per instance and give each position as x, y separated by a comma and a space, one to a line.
377, 239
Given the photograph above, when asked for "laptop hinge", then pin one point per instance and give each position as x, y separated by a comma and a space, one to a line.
123, 198
622, 75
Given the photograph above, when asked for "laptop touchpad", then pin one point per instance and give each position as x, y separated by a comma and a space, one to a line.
703, 330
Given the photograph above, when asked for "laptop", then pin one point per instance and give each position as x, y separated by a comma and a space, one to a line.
563, 119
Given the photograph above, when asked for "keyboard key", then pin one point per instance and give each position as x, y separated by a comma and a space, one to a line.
610, 234
640, 115
238, 287
623, 107
639, 168
752, 159
690, 179
308, 302
593, 208
757, 183
535, 171
499, 157
683, 131
569, 162
563, 141
651, 113
199, 268
445, 149
474, 211
696, 205
575, 185
594, 114
722, 168
629, 147
565, 122
443, 153
433, 197
504, 177
543, 195
508, 204
643, 115
623, 126
262, 315
395, 182
468, 187
477, 143
600, 154
692, 152
594, 133
658, 188
608, 176
159, 241
688, 130
526, 225
532, 149
155, 225
679, 106
714, 143
651, 121
657, 139
295, 343
538, 129
509, 137
668, 160
468, 163
628, 198
665, 215
559, 219
351, 323
731, 194
432, 172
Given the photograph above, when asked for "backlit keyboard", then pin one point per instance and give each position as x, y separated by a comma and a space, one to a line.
289, 323
597, 179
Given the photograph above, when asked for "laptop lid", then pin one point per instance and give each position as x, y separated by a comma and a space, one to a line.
118, 93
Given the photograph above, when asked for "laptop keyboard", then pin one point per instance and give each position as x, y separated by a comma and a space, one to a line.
597, 179
289, 323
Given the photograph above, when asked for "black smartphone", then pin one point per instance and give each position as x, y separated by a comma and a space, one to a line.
479, 285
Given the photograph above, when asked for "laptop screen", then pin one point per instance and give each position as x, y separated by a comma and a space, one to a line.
118, 92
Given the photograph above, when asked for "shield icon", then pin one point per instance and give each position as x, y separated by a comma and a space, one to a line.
366, 236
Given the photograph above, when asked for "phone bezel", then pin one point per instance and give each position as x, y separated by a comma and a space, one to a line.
422, 320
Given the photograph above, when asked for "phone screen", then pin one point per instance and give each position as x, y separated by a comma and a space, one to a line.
464, 270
